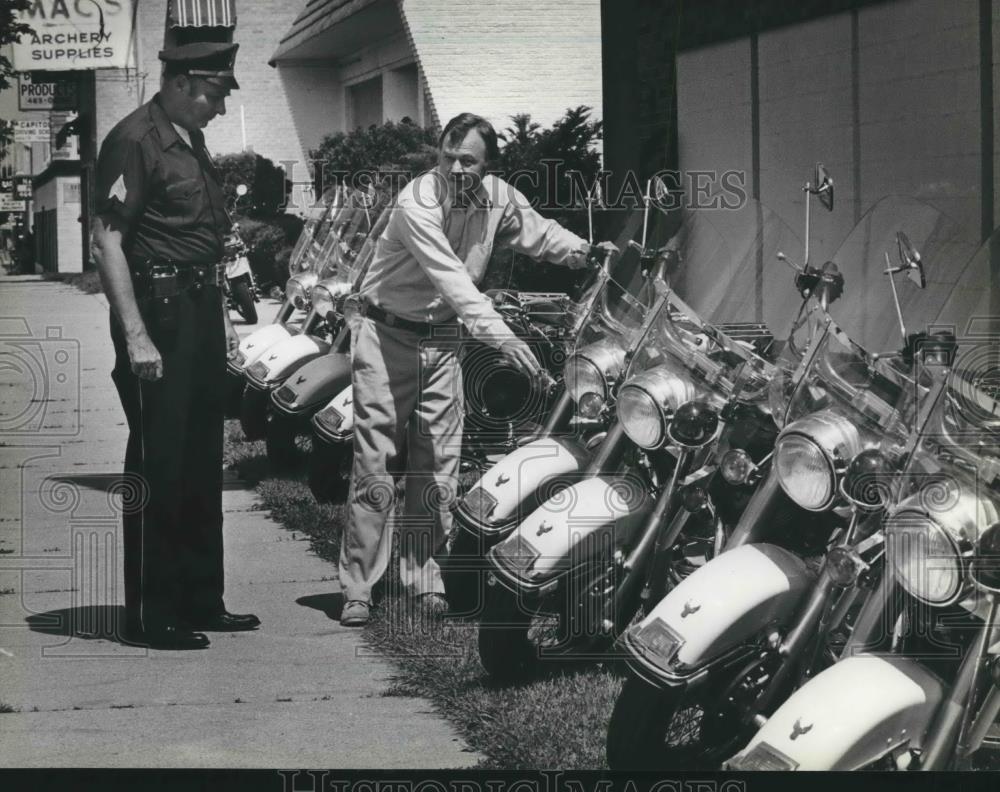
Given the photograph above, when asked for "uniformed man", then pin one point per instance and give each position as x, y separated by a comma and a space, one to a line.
158, 241
407, 382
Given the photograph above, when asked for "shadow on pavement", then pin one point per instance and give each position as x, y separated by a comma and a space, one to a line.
330, 604
105, 622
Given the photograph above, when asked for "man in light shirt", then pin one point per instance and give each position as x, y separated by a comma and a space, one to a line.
407, 383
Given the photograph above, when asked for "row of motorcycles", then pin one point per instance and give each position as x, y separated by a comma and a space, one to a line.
747, 481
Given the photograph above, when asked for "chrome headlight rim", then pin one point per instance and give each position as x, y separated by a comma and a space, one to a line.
895, 529
786, 437
628, 420
665, 391
298, 290
322, 299
600, 378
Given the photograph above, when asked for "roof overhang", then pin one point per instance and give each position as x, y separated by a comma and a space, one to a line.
328, 30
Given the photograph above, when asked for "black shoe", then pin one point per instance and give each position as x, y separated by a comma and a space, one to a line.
169, 637
224, 622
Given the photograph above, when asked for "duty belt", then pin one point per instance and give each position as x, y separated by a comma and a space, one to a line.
189, 275
372, 311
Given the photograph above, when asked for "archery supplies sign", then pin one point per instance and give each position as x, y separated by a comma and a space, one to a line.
75, 35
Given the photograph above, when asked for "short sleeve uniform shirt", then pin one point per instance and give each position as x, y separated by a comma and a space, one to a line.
168, 193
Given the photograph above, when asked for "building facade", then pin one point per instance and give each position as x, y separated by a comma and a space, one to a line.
309, 68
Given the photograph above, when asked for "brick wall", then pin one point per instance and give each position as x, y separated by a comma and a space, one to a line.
499, 59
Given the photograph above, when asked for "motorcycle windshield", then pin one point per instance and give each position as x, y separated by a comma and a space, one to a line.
315, 216
729, 298
340, 258
864, 320
617, 301
962, 432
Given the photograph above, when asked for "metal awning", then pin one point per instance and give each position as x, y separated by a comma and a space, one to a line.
329, 29
202, 13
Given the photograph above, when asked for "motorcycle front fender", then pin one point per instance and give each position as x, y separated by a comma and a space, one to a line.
334, 423
515, 484
314, 384
257, 343
287, 356
848, 716
590, 519
717, 608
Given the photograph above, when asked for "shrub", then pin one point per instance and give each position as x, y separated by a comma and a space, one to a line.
267, 240
403, 147
268, 189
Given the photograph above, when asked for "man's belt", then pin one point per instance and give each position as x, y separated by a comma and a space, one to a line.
372, 311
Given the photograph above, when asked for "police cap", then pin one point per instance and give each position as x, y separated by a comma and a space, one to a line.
212, 61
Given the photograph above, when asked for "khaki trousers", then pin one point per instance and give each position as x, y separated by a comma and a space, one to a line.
408, 412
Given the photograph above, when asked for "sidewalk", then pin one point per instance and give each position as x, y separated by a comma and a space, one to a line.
300, 692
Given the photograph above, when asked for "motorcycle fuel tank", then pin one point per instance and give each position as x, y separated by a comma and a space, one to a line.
314, 384
588, 520
850, 715
720, 606
518, 480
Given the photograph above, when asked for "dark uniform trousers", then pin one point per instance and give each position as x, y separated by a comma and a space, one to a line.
173, 538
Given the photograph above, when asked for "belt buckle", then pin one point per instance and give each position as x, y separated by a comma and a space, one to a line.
390, 319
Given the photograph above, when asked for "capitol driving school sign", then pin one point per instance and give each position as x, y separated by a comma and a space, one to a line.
75, 35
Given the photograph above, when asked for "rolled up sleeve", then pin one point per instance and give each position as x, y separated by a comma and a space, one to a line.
524, 230
421, 231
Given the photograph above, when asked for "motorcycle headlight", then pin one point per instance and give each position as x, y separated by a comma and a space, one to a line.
807, 455
647, 401
804, 472
295, 292
322, 300
929, 538
589, 370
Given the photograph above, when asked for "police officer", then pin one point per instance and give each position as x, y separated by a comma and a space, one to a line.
158, 241
407, 382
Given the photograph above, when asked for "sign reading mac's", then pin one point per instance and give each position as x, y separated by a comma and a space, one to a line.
75, 35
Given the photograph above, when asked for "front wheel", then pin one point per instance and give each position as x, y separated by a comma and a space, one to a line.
674, 728
504, 648
329, 473
244, 300
253, 413
282, 440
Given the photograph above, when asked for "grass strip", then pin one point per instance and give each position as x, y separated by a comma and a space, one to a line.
556, 721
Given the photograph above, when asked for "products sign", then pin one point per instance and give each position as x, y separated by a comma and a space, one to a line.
36, 130
9, 204
74, 35
61, 95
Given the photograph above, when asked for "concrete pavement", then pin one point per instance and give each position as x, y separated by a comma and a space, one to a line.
296, 693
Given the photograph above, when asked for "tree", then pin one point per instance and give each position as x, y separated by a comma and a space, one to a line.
11, 30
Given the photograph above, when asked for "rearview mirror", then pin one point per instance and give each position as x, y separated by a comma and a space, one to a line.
823, 186
910, 261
